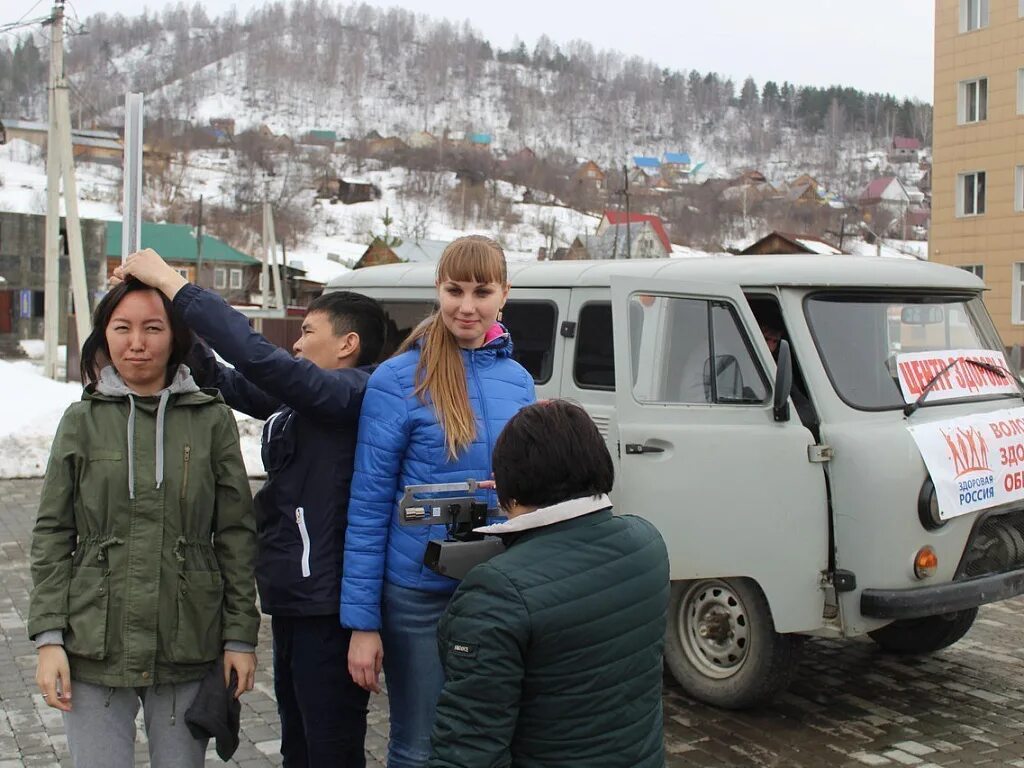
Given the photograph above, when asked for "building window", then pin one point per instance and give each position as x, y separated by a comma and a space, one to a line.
183, 271
972, 102
970, 193
973, 15
220, 278
236, 279
1018, 293
978, 270
1018, 189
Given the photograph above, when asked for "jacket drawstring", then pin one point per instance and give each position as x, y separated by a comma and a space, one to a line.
174, 703
131, 447
179, 545
161, 412
106, 544
110, 695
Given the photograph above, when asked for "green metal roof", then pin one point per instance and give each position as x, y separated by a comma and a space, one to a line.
176, 242
323, 134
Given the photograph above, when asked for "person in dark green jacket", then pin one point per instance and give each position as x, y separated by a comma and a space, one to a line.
552, 650
143, 549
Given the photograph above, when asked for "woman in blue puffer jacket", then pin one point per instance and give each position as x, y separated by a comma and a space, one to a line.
431, 414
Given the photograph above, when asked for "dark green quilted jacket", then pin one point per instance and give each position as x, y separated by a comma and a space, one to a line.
553, 650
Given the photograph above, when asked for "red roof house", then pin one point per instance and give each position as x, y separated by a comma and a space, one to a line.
611, 218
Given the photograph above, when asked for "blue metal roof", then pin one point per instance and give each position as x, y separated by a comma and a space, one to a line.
479, 138
646, 162
680, 158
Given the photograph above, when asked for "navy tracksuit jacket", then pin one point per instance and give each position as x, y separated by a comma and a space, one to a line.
308, 451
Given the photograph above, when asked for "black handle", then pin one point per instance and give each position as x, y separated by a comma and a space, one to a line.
637, 448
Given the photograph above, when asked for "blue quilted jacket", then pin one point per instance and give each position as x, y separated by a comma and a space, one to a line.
401, 443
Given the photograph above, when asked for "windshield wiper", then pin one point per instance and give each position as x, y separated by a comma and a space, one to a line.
1002, 373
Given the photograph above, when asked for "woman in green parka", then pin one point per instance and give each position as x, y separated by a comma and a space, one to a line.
143, 550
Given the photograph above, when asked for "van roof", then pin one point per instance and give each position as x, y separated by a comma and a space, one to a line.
747, 271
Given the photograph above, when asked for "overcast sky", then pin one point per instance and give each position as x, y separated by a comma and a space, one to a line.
874, 45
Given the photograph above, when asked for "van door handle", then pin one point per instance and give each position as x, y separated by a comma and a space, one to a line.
637, 448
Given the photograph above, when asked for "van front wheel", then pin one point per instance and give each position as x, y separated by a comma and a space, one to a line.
722, 646
925, 635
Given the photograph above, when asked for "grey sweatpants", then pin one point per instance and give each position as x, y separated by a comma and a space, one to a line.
101, 726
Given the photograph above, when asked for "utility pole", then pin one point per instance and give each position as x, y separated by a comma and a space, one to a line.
625, 194
270, 254
199, 244
60, 166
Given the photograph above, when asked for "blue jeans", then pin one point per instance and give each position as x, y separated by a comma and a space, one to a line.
412, 669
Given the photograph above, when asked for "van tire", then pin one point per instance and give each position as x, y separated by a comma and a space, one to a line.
925, 635
749, 665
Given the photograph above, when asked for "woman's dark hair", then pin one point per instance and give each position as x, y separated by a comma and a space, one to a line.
96, 353
551, 452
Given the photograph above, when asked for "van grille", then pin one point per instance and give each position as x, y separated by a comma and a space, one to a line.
602, 423
996, 545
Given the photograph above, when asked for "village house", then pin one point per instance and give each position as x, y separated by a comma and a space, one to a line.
320, 137
890, 193
636, 240
347, 190
224, 124
783, 243
415, 251
651, 166
422, 140
86, 145
228, 271
675, 167
590, 175
904, 150
23, 269
611, 217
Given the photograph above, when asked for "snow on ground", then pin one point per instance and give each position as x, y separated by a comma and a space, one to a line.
31, 406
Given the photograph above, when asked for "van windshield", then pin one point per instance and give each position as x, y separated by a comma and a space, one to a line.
859, 338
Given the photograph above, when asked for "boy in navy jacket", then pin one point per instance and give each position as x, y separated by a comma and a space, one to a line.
311, 405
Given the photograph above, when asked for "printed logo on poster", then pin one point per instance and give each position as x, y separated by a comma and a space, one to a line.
956, 373
975, 462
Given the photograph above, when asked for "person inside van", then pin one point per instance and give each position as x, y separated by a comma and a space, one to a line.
143, 548
311, 404
431, 415
552, 650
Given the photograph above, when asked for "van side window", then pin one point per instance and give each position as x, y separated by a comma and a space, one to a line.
594, 364
692, 351
532, 325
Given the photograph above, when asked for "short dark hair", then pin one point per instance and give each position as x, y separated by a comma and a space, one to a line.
551, 452
96, 352
355, 313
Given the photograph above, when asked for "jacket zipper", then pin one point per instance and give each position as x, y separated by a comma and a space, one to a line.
300, 520
184, 476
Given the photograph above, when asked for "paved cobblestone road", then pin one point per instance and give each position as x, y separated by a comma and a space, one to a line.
851, 705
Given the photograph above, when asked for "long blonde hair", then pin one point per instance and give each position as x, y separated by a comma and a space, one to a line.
440, 373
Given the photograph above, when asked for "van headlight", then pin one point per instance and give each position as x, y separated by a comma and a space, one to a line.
928, 506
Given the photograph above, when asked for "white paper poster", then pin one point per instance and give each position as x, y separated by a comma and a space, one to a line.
976, 461
960, 378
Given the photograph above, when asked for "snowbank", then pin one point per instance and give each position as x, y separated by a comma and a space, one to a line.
31, 406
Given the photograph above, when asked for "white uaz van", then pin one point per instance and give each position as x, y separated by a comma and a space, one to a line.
867, 477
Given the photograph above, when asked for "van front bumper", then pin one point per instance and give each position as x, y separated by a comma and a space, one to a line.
942, 598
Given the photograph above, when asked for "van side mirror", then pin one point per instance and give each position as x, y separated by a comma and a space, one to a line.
783, 382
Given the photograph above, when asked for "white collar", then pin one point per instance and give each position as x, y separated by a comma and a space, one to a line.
556, 513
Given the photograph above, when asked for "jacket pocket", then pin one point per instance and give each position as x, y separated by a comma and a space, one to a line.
197, 636
88, 595
300, 521
186, 459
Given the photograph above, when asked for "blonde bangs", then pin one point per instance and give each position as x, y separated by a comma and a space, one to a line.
473, 259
